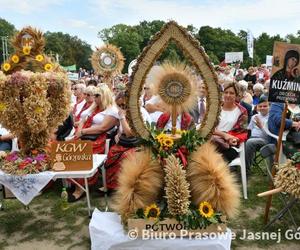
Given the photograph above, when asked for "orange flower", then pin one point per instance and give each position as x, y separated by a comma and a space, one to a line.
15, 59
48, 66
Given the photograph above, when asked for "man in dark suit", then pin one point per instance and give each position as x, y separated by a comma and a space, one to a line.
199, 110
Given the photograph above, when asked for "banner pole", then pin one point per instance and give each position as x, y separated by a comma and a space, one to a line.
276, 162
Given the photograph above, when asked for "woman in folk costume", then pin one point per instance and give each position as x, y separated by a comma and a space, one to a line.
80, 100
88, 106
232, 127
103, 118
124, 142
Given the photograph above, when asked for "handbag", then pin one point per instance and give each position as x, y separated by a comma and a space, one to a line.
129, 142
91, 137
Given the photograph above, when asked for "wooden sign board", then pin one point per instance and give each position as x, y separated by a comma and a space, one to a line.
285, 79
170, 227
72, 156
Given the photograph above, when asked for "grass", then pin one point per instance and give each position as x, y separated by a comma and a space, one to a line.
69, 229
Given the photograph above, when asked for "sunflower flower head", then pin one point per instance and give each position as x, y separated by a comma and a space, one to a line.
15, 59
39, 58
6, 66
48, 66
26, 50
168, 142
160, 138
206, 209
152, 212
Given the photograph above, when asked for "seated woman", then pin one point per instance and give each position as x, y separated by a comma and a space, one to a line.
232, 128
80, 101
124, 142
87, 107
103, 118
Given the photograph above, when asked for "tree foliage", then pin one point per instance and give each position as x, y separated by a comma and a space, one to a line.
71, 49
132, 39
6, 30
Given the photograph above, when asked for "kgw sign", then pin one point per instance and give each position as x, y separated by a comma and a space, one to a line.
71, 156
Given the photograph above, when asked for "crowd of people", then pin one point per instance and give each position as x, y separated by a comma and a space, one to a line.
99, 112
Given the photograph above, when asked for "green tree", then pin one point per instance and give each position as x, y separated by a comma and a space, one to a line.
217, 41
294, 39
126, 38
264, 46
71, 49
6, 30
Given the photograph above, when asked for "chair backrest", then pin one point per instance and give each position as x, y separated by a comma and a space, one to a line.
282, 157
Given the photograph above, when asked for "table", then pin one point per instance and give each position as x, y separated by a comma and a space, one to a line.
25, 188
106, 232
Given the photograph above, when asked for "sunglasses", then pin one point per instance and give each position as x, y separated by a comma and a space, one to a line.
96, 95
122, 106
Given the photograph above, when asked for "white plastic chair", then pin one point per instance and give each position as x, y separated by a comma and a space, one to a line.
282, 157
240, 161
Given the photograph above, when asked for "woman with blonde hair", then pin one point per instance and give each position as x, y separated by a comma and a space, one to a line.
103, 117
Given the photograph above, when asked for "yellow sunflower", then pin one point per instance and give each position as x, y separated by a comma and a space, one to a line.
168, 142
15, 59
161, 137
206, 209
2, 106
6, 66
39, 58
26, 50
152, 211
48, 66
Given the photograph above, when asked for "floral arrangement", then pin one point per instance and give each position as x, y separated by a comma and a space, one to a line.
29, 44
163, 144
32, 103
176, 201
15, 163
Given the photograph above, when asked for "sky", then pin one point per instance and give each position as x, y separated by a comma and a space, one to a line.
85, 19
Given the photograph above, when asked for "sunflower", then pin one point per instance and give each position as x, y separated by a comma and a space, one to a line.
39, 58
206, 209
48, 66
26, 50
168, 142
15, 59
152, 212
160, 138
6, 66
2, 106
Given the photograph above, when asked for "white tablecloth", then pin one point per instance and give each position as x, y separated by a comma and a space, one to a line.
26, 187
106, 232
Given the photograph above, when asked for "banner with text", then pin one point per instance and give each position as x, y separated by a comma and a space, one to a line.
232, 57
285, 79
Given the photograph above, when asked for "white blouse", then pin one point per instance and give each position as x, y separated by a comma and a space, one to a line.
110, 111
228, 119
